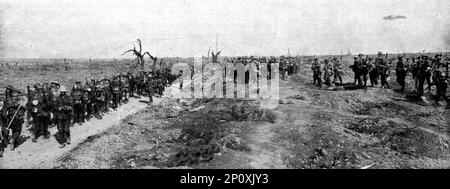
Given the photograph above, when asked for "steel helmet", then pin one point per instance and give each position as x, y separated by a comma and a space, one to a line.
62, 89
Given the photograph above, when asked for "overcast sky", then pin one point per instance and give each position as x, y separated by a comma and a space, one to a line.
106, 28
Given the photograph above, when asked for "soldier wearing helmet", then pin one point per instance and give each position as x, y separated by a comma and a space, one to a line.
383, 70
373, 71
79, 104
435, 66
362, 69
317, 72
63, 116
40, 109
354, 68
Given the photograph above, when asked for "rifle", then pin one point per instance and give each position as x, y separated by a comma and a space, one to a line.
14, 116
28, 103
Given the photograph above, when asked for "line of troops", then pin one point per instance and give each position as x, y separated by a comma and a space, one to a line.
287, 65
433, 70
51, 104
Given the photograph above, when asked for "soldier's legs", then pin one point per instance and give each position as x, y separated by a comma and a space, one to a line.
107, 103
319, 80
88, 113
428, 79
420, 86
60, 127
377, 76
66, 129
3, 141
5, 136
335, 77
383, 81
131, 90
401, 80
37, 128
81, 115
114, 99
16, 131
150, 96
97, 109
372, 78
76, 115
314, 77
359, 79
441, 92
365, 79
45, 123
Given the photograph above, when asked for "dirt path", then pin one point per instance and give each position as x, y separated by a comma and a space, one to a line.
45, 153
268, 153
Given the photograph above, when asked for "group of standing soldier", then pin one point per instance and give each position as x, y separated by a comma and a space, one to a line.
330, 69
433, 71
51, 104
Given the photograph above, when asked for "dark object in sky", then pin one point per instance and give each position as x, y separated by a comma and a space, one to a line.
394, 17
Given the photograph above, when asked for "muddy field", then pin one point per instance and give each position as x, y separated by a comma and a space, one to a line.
311, 128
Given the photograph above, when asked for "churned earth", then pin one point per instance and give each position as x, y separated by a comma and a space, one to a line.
312, 127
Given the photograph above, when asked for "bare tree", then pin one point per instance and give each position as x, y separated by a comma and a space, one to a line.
140, 56
215, 57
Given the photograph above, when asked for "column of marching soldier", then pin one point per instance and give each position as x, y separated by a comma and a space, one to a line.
51, 104
433, 71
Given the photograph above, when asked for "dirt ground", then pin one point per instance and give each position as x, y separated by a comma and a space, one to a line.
311, 128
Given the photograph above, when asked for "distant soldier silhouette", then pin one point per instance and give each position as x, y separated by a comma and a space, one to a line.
337, 68
354, 68
383, 70
373, 72
401, 73
363, 71
424, 74
328, 72
317, 72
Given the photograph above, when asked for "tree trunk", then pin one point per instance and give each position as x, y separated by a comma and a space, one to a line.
154, 66
142, 62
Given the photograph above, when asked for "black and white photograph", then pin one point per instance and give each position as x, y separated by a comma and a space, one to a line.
224, 84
